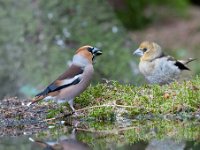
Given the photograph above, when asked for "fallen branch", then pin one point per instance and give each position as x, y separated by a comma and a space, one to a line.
114, 131
92, 107
61, 116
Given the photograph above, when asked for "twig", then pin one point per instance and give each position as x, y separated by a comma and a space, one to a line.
122, 106
114, 131
64, 115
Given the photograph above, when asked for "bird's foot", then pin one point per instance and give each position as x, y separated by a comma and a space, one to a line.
75, 113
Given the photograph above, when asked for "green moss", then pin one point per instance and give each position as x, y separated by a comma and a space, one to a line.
154, 99
53, 112
152, 112
104, 102
103, 114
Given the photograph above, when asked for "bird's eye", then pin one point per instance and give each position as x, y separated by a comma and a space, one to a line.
90, 49
144, 49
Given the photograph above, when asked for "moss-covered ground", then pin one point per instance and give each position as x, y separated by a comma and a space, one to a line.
111, 100
126, 114
110, 113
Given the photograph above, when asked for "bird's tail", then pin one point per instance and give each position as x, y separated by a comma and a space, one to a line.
36, 99
39, 97
187, 60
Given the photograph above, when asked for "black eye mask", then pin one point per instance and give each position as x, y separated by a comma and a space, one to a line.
90, 49
95, 51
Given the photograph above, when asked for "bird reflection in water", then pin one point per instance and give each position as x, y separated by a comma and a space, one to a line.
63, 143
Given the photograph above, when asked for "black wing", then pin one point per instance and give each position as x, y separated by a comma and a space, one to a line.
177, 63
52, 87
181, 66
70, 77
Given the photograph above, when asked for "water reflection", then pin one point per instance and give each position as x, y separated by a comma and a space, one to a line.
165, 144
63, 143
22, 143
13, 143
145, 135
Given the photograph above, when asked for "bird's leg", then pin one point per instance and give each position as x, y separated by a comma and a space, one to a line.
71, 102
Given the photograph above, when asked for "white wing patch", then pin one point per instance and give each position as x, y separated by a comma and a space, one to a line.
68, 81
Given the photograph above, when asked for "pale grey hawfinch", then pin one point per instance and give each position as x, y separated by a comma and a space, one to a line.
157, 67
74, 80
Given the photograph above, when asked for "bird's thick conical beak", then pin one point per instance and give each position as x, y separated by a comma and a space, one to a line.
96, 51
138, 52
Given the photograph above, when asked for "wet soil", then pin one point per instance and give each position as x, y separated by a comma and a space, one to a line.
18, 119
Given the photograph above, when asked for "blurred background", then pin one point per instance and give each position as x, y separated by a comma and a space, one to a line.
38, 38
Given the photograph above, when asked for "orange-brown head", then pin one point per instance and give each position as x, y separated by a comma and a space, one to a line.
148, 51
87, 52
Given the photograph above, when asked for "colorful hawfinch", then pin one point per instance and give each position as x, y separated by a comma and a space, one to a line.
157, 67
73, 81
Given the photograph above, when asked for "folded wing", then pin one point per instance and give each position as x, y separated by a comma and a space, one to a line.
178, 63
71, 77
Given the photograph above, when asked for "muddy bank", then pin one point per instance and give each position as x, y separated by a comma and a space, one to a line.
18, 119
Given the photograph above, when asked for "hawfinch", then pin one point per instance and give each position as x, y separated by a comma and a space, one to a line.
63, 143
74, 80
157, 67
